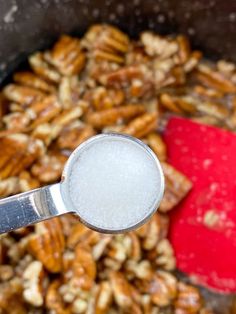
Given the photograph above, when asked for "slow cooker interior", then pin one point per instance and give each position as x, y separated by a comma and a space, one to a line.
26, 26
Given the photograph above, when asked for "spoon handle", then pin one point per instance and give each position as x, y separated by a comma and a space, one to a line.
30, 207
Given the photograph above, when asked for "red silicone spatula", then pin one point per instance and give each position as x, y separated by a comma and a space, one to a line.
203, 227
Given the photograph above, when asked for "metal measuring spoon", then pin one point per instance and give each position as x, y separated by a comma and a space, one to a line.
113, 182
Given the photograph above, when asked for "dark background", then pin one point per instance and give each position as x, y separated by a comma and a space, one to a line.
27, 25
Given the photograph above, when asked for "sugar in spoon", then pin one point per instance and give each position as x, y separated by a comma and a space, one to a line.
113, 182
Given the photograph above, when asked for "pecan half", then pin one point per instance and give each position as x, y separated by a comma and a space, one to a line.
141, 270
163, 255
80, 272
106, 42
66, 56
103, 98
156, 143
142, 125
103, 298
44, 111
125, 295
193, 61
225, 67
99, 249
215, 79
70, 91
73, 136
34, 81
18, 152
79, 234
42, 68
49, 167
47, 244
151, 232
54, 301
111, 116
17, 121
177, 187
207, 92
162, 288
23, 95
184, 49
156, 45
175, 104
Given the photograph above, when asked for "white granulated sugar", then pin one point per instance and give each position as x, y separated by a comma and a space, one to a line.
114, 183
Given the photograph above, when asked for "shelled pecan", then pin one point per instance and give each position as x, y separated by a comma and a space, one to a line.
72, 136
162, 288
54, 300
49, 167
156, 45
125, 295
43, 69
66, 56
34, 81
18, 152
157, 144
23, 95
177, 187
102, 98
114, 115
106, 42
142, 125
47, 244
215, 79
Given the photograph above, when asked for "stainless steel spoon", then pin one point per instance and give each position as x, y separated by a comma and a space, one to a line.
57, 199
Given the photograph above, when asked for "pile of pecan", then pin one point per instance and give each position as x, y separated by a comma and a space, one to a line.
81, 87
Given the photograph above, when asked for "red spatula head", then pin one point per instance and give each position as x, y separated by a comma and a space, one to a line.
203, 227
